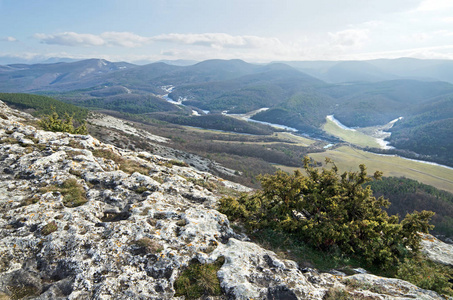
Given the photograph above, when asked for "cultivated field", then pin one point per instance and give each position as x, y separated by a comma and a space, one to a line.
347, 158
354, 137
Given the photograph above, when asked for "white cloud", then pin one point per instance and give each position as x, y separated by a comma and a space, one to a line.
70, 39
9, 39
128, 39
435, 5
419, 37
349, 38
447, 20
218, 40
122, 39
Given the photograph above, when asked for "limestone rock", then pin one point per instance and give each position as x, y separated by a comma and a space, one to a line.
80, 219
437, 250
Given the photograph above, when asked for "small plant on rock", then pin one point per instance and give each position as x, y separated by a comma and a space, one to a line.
149, 245
336, 293
49, 228
72, 191
199, 280
427, 275
125, 165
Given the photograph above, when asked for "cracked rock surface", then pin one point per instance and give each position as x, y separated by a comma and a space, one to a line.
80, 219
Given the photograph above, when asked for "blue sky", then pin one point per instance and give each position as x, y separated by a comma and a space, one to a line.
256, 31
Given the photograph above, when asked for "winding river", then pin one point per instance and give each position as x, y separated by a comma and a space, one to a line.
379, 131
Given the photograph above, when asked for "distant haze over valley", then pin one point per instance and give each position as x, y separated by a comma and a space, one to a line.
298, 95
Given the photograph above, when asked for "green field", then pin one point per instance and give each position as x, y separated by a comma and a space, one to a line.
354, 137
299, 140
347, 158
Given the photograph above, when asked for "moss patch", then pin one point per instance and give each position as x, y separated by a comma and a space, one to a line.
22, 291
199, 280
49, 228
125, 165
148, 245
73, 192
337, 294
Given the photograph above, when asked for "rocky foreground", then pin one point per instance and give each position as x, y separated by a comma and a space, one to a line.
80, 219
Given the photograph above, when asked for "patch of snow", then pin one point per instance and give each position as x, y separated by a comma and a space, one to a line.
86, 72
167, 88
381, 134
111, 122
195, 113
338, 123
250, 114
247, 117
279, 126
127, 90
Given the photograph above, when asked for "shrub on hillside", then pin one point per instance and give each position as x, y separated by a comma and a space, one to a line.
54, 122
331, 211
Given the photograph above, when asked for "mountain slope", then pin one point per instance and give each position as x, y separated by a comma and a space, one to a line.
83, 219
58, 76
266, 87
369, 104
377, 70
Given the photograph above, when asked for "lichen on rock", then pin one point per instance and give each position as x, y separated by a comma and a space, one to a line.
77, 222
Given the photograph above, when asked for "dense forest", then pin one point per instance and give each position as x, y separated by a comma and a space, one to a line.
406, 195
294, 98
42, 105
215, 121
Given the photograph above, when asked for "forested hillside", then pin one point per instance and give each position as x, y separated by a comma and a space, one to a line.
406, 195
42, 105
293, 98
428, 131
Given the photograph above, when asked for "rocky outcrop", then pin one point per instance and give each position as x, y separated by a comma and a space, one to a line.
80, 219
437, 250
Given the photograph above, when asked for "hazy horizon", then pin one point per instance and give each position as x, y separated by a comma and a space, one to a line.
254, 31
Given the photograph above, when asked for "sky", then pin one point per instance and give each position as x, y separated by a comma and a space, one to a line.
253, 30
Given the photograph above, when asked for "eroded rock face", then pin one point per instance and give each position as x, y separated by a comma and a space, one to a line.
80, 219
437, 250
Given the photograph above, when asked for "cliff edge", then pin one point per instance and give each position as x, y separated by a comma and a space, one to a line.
80, 219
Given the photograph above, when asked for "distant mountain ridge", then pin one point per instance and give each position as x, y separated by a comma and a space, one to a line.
377, 70
297, 94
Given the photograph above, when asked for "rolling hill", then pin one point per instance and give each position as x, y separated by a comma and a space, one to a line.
376, 92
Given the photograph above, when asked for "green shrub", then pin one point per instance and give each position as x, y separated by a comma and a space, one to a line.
199, 280
53, 122
427, 275
330, 211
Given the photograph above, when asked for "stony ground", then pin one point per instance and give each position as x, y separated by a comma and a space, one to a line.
80, 219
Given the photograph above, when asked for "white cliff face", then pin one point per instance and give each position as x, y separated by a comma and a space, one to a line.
437, 250
53, 248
